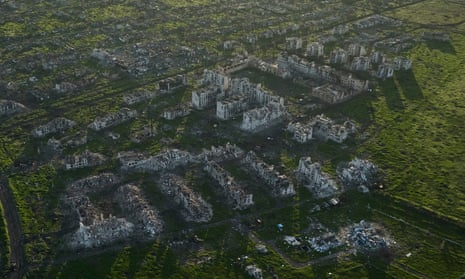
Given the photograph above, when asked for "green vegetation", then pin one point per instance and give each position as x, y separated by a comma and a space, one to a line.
4, 245
35, 195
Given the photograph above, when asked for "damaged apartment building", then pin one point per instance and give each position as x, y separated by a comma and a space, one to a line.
234, 193
238, 96
279, 184
322, 128
59, 124
194, 207
112, 119
85, 159
313, 178
8, 107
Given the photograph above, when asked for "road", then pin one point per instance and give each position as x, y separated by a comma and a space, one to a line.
15, 233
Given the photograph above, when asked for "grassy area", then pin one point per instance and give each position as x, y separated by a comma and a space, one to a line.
417, 136
35, 195
431, 12
4, 245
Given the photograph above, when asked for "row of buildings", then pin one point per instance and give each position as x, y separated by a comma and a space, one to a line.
322, 128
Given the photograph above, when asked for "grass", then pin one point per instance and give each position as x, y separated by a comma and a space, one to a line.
431, 12
417, 136
4, 245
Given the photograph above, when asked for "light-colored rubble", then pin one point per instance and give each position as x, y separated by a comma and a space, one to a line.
101, 232
146, 218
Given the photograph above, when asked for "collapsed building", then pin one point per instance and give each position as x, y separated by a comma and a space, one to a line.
112, 119
195, 209
94, 230
56, 125
146, 218
359, 174
279, 184
314, 179
8, 107
366, 236
100, 233
235, 195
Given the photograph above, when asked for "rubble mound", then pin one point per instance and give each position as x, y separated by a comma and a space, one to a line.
131, 199
366, 236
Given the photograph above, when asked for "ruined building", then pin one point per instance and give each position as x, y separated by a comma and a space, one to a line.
195, 209
265, 116
235, 195
112, 119
56, 125
145, 218
279, 184
8, 107
313, 178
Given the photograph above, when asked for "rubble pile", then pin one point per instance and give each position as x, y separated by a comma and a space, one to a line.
324, 243
93, 184
195, 208
279, 183
366, 236
131, 199
101, 232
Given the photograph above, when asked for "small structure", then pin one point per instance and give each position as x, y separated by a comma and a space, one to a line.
254, 271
